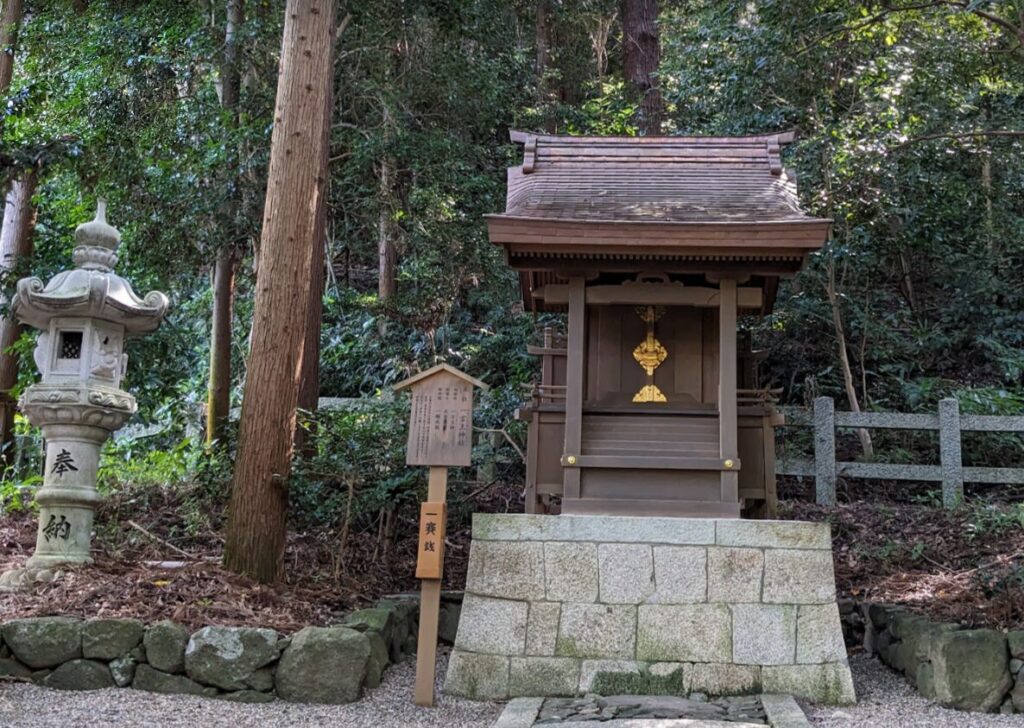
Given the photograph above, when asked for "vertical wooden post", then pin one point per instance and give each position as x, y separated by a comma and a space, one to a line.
574, 387
949, 453
430, 607
727, 419
771, 494
825, 451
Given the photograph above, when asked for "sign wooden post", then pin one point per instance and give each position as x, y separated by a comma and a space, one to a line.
440, 435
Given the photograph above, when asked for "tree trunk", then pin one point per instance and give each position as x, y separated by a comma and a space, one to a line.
255, 540
641, 53
15, 244
542, 61
387, 254
10, 20
844, 361
218, 401
309, 382
15, 236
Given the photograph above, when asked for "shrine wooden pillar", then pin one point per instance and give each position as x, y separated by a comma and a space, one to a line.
575, 362
727, 418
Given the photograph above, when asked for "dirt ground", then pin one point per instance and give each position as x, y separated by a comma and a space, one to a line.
965, 566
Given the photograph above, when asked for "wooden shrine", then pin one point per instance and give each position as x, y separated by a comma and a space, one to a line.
649, 404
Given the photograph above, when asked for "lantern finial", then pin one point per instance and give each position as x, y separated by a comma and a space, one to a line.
97, 241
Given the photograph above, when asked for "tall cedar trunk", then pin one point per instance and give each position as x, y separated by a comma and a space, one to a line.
10, 20
218, 401
309, 382
641, 55
542, 62
295, 184
15, 243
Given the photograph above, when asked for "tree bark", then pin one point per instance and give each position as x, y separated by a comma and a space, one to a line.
218, 401
15, 235
641, 52
542, 61
10, 21
387, 254
309, 383
257, 514
844, 361
15, 244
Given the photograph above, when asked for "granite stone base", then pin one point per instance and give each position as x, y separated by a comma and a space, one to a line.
569, 605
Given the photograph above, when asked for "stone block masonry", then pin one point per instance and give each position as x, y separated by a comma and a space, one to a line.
558, 606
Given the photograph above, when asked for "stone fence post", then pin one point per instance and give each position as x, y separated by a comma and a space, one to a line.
949, 453
825, 451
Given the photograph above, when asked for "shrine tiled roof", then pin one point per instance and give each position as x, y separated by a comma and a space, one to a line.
653, 179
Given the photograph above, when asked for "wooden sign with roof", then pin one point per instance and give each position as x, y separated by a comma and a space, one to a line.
440, 435
441, 423
649, 403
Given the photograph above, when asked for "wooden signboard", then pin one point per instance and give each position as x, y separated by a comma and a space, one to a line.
441, 422
440, 435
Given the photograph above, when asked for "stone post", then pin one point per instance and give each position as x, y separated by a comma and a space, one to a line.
84, 316
825, 451
949, 453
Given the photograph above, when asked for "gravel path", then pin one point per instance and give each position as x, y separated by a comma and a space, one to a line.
886, 700
389, 706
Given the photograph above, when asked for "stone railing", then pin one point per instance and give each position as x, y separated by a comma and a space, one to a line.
949, 423
242, 664
568, 605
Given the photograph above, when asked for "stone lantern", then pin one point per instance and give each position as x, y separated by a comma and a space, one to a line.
84, 316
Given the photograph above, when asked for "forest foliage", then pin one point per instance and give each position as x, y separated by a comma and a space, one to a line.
910, 127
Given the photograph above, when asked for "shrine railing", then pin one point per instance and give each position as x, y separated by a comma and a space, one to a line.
950, 471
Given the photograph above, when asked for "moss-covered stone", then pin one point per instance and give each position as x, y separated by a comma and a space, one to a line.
108, 639
684, 632
80, 675
247, 696
1015, 641
667, 678
9, 667
477, 676
543, 676
165, 646
324, 665
227, 657
41, 642
716, 679
379, 659
611, 677
156, 681
123, 670
971, 669
828, 684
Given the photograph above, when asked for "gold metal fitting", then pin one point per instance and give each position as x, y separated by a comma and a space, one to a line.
570, 459
728, 464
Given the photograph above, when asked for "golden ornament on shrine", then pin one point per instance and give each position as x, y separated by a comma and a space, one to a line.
650, 354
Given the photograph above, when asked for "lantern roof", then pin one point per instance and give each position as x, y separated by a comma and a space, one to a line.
92, 289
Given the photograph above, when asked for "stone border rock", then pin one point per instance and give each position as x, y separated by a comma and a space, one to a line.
331, 664
979, 670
